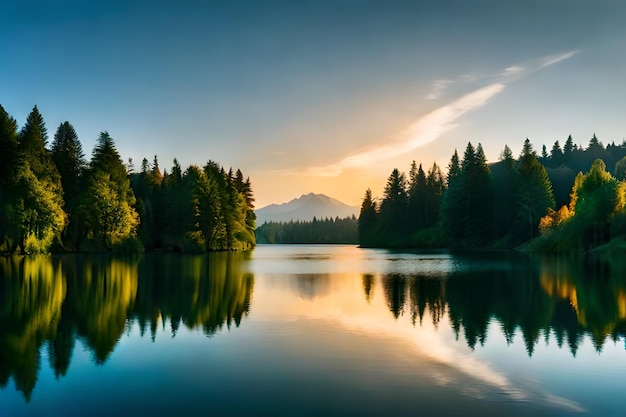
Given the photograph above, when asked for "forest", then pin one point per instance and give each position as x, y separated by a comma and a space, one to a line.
54, 200
571, 199
328, 230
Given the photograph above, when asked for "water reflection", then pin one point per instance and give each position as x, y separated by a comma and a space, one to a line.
46, 301
47, 304
569, 298
30, 310
368, 286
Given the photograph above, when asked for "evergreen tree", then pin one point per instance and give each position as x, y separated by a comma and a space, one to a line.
477, 197
393, 210
244, 188
451, 205
38, 213
595, 198
67, 154
8, 147
534, 192
504, 194
210, 225
38, 184
9, 158
367, 220
417, 198
435, 186
108, 216
32, 146
620, 169
556, 155
107, 206
568, 149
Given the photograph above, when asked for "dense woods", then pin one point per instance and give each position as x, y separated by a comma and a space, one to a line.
326, 230
571, 199
54, 199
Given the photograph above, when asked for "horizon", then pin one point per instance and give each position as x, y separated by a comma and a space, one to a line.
316, 97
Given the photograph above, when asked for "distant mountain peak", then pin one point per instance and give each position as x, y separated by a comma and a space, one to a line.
304, 208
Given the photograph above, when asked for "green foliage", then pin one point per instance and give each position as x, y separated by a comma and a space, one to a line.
620, 169
393, 211
38, 213
534, 194
467, 206
107, 207
504, 184
68, 156
32, 147
107, 215
367, 220
452, 223
8, 170
327, 231
595, 199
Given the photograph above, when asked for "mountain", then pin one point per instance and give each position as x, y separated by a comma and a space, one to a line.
305, 207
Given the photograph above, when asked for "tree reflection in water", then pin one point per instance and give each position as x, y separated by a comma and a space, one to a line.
567, 297
54, 300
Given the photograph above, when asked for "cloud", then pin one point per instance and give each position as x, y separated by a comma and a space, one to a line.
438, 89
441, 120
426, 129
554, 59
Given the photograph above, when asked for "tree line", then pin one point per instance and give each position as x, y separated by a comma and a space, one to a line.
53, 199
327, 230
502, 205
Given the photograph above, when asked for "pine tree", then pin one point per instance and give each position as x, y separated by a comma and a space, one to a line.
32, 146
367, 220
39, 184
451, 205
534, 192
107, 206
435, 186
9, 166
556, 155
67, 154
504, 194
8, 148
417, 198
478, 196
568, 149
393, 210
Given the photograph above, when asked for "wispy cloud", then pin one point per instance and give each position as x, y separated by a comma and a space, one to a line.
441, 120
438, 89
554, 59
424, 130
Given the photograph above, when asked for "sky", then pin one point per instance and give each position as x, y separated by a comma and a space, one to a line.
317, 95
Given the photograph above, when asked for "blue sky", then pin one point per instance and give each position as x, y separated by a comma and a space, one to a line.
321, 96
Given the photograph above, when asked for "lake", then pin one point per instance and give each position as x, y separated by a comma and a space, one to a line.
313, 330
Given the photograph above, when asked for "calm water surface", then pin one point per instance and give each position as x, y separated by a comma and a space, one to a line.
312, 330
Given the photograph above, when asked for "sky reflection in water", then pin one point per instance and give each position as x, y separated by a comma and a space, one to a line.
312, 330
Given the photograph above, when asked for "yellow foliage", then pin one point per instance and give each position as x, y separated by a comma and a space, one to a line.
554, 218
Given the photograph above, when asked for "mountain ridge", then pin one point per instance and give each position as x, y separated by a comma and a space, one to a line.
304, 208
